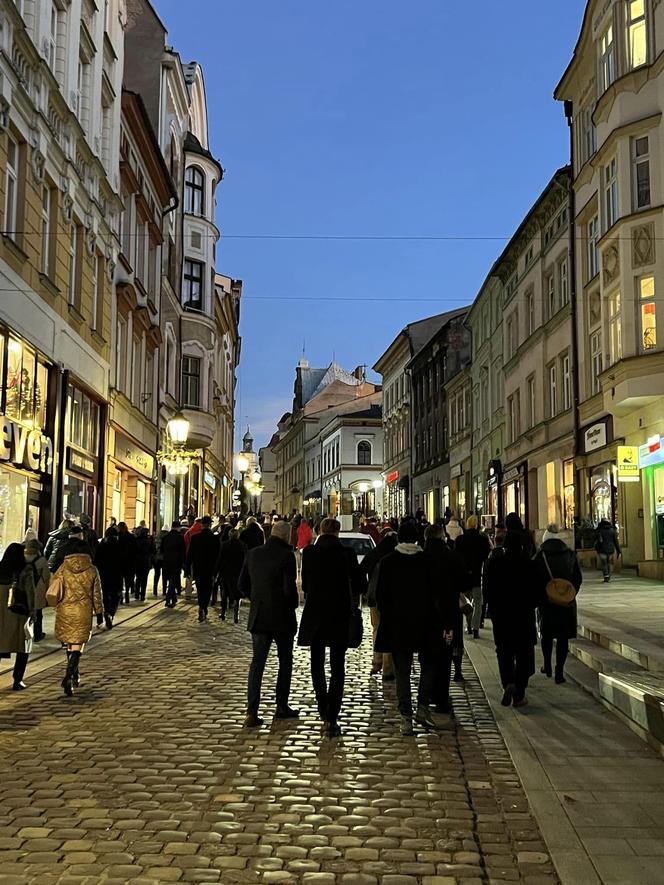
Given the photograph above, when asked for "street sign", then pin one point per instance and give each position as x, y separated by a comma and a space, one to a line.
628, 464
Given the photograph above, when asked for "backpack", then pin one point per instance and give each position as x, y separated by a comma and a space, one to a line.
559, 591
17, 603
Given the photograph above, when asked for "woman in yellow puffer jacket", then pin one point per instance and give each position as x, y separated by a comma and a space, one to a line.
81, 600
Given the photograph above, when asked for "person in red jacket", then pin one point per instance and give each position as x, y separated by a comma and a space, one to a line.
195, 529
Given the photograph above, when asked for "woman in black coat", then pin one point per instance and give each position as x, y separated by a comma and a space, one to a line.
127, 552
332, 583
232, 554
556, 560
512, 600
109, 565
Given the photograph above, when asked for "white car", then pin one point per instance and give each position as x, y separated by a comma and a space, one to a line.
359, 543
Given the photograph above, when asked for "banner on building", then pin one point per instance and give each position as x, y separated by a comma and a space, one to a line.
628, 464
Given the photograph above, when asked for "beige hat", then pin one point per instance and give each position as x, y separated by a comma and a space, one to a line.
281, 530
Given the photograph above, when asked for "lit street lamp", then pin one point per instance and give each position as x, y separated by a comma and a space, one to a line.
242, 465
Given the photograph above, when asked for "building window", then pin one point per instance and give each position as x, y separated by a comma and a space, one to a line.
553, 391
593, 247
550, 296
637, 37
640, 172
364, 452
532, 402
83, 420
46, 230
596, 360
83, 93
648, 313
615, 328
121, 355
53, 38
97, 313
563, 282
192, 293
74, 286
607, 59
191, 381
530, 313
511, 336
588, 135
194, 191
136, 370
513, 416
610, 194
567, 383
11, 189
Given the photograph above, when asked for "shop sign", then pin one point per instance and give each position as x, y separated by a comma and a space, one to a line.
628, 464
81, 463
25, 446
210, 480
129, 453
594, 437
456, 471
652, 452
513, 475
392, 477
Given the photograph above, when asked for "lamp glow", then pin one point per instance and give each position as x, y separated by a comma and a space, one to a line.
178, 429
242, 463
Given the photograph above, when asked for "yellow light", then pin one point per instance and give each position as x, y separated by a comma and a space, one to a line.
363, 487
242, 463
256, 477
178, 429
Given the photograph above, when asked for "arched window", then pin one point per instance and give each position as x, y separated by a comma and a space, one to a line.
364, 452
194, 191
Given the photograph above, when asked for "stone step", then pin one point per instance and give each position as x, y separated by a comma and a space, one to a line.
638, 650
599, 658
639, 698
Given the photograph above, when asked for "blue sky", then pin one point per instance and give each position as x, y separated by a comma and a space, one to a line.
368, 118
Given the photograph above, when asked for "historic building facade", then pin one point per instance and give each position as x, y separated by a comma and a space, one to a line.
612, 91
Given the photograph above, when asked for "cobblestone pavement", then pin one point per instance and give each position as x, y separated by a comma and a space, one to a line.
146, 775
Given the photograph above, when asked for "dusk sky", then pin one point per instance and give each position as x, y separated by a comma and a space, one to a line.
366, 119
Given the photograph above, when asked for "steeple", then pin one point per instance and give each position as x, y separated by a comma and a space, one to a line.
247, 442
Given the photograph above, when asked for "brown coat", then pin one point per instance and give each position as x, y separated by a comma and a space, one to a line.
82, 599
42, 577
12, 627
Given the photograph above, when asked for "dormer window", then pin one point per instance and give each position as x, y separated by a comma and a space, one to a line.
194, 191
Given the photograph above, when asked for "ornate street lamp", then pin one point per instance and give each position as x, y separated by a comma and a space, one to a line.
242, 465
176, 458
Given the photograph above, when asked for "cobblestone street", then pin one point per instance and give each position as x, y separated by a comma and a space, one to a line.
147, 775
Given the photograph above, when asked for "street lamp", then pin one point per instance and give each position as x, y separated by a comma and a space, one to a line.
177, 429
242, 466
176, 458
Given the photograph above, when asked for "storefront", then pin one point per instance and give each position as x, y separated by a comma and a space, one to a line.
85, 418
493, 511
396, 495
27, 398
597, 476
514, 491
132, 472
651, 465
458, 498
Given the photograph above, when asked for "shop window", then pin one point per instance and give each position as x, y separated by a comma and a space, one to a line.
13, 508
140, 501
570, 502
25, 385
551, 496
116, 505
648, 313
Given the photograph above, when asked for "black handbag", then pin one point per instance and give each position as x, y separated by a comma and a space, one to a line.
17, 602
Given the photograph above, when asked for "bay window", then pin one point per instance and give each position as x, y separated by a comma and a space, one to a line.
192, 292
648, 313
615, 328
640, 172
610, 176
596, 360
191, 381
194, 191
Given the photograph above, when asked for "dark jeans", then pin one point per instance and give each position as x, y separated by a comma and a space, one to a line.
128, 579
562, 650
20, 663
403, 664
157, 575
111, 597
605, 560
142, 581
172, 584
443, 672
39, 624
516, 664
328, 697
228, 601
261, 643
203, 591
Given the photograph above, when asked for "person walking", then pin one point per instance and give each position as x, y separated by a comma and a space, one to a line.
232, 553
42, 578
89, 534
55, 541
127, 550
81, 599
453, 528
474, 549
451, 583
409, 623
332, 584
555, 561
513, 523
305, 536
17, 586
606, 544
381, 663
157, 561
252, 536
202, 557
512, 598
109, 565
268, 580
173, 556
144, 556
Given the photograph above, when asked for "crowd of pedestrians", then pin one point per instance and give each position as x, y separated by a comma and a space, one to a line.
426, 586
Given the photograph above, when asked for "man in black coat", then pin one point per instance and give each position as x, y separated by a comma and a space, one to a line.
474, 549
201, 563
451, 582
173, 554
332, 584
409, 622
252, 536
268, 579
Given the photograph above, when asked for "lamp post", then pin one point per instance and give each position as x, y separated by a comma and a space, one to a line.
377, 484
242, 466
176, 458
256, 488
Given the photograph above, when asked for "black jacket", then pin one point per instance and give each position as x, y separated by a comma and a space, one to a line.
451, 581
385, 545
67, 548
606, 540
512, 597
474, 549
203, 554
556, 620
109, 565
144, 550
232, 554
172, 552
331, 582
252, 536
268, 579
405, 598
127, 543
55, 540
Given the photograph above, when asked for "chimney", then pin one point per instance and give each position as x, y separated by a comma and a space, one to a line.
360, 373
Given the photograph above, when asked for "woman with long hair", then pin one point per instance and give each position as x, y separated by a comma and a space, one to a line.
17, 581
81, 598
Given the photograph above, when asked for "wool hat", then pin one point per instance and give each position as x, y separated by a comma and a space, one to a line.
281, 530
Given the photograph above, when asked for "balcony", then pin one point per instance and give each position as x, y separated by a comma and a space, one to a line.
202, 428
633, 382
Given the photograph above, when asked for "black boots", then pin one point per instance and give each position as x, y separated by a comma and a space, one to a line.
72, 677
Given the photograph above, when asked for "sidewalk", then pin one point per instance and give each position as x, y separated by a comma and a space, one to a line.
595, 788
